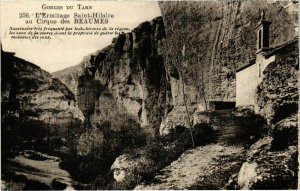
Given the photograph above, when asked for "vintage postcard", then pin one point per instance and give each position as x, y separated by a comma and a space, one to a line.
149, 95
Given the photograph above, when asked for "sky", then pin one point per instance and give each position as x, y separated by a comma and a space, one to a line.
65, 51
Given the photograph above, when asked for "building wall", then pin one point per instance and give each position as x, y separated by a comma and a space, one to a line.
246, 82
264, 62
248, 79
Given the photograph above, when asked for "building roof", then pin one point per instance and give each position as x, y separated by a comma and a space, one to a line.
277, 48
269, 53
250, 63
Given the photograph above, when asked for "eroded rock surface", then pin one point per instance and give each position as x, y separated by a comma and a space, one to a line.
35, 105
277, 95
90, 141
267, 169
69, 76
127, 168
125, 80
208, 41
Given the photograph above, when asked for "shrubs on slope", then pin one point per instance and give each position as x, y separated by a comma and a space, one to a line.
141, 164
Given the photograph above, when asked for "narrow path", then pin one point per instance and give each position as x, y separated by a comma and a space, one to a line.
209, 166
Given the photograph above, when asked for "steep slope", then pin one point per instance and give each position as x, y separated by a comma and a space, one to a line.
143, 77
126, 80
69, 76
209, 166
278, 94
201, 168
34, 105
205, 43
208, 41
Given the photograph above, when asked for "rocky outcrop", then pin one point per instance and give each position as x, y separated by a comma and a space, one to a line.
69, 76
35, 105
178, 117
267, 169
89, 141
207, 41
229, 127
277, 95
145, 71
127, 168
32, 170
285, 133
126, 80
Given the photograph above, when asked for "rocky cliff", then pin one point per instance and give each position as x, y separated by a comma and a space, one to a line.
191, 53
34, 105
186, 58
277, 95
125, 80
69, 76
207, 41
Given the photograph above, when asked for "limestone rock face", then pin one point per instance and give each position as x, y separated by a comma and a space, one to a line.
176, 118
126, 168
285, 132
33, 102
192, 52
69, 76
267, 169
208, 41
89, 141
125, 80
277, 95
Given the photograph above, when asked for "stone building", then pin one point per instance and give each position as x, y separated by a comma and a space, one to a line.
249, 76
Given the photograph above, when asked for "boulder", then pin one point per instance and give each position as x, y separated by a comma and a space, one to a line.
267, 169
129, 170
90, 141
285, 133
176, 118
262, 145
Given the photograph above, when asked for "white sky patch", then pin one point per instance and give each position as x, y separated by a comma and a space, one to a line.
64, 51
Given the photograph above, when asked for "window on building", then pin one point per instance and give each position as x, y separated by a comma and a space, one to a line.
259, 70
259, 40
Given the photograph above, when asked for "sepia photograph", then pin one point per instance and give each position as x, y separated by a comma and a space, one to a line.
149, 95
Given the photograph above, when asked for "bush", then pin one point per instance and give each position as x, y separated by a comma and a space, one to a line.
141, 164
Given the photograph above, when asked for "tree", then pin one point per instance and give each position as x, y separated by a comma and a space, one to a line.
202, 87
184, 98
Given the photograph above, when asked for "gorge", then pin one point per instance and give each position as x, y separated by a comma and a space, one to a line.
138, 114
